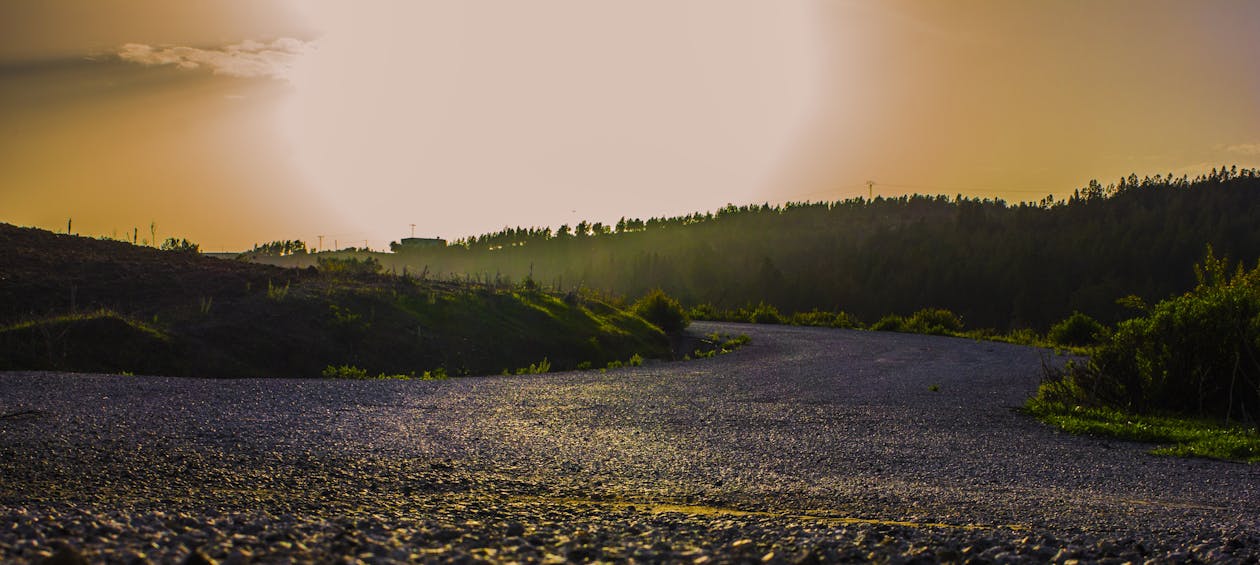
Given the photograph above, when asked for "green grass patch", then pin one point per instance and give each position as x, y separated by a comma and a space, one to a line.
350, 372
1177, 436
719, 344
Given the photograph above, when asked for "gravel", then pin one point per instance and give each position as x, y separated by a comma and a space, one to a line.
808, 445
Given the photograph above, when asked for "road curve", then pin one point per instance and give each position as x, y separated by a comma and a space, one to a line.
807, 444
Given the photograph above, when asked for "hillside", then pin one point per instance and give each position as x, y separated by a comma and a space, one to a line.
998, 265
73, 303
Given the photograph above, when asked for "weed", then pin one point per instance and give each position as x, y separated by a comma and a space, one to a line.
934, 388
438, 374
277, 293
344, 372
636, 360
535, 368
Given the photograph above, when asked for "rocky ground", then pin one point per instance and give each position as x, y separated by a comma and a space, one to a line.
808, 445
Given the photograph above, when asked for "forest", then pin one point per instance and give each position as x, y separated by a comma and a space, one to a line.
998, 265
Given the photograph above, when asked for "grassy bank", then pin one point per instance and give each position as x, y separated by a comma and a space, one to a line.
1177, 436
85, 305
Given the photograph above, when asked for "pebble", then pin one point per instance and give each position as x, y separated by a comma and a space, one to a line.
713, 461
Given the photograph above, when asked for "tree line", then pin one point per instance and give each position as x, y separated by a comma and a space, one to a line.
997, 264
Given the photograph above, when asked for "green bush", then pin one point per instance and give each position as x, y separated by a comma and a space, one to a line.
934, 321
1195, 354
1076, 330
345, 372
662, 311
890, 323
704, 312
846, 320
765, 314
812, 318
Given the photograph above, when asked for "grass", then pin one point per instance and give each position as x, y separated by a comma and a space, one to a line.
76, 304
719, 344
350, 372
1176, 436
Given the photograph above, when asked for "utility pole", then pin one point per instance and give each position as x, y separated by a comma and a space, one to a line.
365, 247
321, 244
413, 230
870, 190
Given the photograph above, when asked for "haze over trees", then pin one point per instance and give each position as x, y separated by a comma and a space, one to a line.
996, 264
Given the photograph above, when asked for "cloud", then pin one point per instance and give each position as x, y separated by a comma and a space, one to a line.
1245, 149
248, 59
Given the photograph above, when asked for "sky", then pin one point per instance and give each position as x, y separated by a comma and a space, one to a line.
237, 122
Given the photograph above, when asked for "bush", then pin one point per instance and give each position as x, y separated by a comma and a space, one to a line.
180, 246
890, 323
846, 320
705, 312
1196, 354
345, 372
934, 321
1076, 330
349, 267
813, 318
765, 314
662, 311
825, 319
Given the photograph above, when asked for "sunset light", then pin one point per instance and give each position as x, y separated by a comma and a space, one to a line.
629, 281
296, 119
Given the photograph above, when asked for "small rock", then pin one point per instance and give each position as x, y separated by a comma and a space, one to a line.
199, 558
65, 555
515, 529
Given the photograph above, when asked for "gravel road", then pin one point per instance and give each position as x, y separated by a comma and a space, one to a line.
808, 445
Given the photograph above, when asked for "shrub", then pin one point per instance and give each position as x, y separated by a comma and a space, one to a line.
765, 314
1077, 330
349, 267
1023, 336
890, 323
344, 372
1195, 354
180, 246
934, 321
704, 312
845, 320
825, 319
662, 311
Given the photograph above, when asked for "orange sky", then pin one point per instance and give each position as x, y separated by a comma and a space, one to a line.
243, 121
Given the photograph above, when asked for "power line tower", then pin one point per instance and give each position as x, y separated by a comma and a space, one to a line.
870, 190
321, 244
413, 230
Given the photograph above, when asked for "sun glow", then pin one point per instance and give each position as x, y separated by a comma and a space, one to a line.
464, 117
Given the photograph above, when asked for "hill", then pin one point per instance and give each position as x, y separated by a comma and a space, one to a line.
998, 265
73, 303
